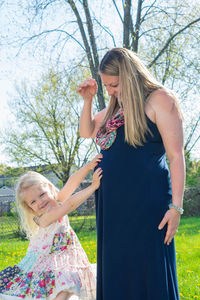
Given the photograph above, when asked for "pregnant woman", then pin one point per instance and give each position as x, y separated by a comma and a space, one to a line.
139, 201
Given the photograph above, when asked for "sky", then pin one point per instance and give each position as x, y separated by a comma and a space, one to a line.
29, 65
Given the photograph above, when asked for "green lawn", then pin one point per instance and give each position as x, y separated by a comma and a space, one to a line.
188, 258
187, 249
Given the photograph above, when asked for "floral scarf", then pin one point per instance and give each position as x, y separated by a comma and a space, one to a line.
105, 140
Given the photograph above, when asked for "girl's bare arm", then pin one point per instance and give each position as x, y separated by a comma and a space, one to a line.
76, 178
71, 203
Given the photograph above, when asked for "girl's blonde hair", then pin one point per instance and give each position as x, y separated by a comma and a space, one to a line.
25, 212
136, 84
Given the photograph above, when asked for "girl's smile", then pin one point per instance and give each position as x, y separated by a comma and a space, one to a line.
39, 198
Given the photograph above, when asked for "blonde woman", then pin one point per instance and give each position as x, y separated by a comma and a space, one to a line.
139, 201
55, 267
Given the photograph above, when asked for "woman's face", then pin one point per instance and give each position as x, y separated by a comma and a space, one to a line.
111, 84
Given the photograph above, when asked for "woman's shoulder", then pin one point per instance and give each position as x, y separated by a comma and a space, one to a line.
162, 99
100, 115
98, 118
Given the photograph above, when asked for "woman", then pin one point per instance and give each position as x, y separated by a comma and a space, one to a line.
139, 201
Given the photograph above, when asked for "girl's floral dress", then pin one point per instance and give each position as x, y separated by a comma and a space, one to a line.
55, 262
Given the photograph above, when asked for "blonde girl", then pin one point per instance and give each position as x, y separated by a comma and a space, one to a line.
55, 266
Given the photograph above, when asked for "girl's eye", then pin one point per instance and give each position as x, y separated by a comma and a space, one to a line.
42, 194
33, 202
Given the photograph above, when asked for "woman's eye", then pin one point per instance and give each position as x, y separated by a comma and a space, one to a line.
33, 202
112, 86
42, 194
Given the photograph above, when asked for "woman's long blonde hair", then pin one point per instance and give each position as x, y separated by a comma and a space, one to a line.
135, 84
26, 214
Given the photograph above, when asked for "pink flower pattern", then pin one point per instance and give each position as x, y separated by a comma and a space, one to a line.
55, 261
107, 138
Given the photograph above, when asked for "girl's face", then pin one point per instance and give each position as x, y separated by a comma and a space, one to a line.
39, 198
111, 84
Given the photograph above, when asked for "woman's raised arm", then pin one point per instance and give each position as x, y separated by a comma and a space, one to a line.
89, 125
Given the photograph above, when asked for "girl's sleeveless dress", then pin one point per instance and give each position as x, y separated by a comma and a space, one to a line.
133, 263
55, 262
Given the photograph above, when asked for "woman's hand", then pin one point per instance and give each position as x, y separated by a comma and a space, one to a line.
93, 163
97, 178
172, 219
88, 89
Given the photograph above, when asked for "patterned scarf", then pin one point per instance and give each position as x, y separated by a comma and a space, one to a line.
105, 140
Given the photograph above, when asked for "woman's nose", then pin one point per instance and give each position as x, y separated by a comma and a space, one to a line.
110, 91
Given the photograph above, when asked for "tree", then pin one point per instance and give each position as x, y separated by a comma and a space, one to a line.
193, 136
151, 28
165, 33
192, 172
47, 126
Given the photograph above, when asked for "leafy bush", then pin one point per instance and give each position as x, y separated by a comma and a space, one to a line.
191, 202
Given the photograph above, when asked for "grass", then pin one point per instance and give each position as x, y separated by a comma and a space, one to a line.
8, 227
13, 249
188, 258
187, 251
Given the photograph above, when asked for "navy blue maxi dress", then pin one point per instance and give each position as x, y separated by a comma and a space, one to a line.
133, 263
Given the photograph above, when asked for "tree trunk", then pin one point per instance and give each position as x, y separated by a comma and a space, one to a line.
90, 48
135, 38
127, 19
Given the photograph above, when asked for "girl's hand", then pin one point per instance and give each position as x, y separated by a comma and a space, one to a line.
93, 163
88, 89
96, 178
172, 219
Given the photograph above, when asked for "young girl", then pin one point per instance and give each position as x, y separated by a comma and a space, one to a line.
55, 266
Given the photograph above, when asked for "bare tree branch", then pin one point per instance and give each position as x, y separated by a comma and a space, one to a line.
91, 33
147, 31
107, 30
95, 54
147, 11
83, 34
118, 11
190, 149
171, 39
42, 6
191, 135
93, 63
45, 33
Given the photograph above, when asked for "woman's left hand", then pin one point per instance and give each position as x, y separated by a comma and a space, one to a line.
172, 219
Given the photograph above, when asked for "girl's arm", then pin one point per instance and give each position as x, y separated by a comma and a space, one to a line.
72, 202
89, 125
169, 123
75, 179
